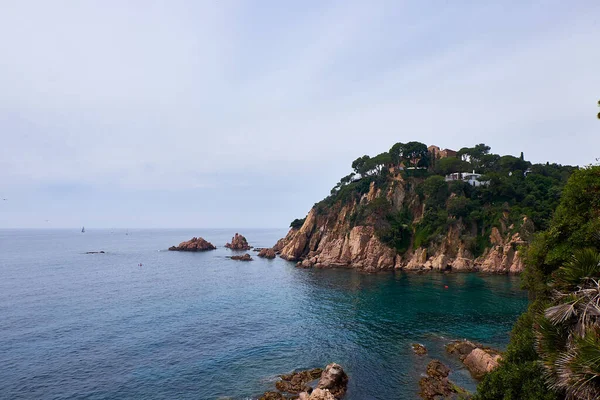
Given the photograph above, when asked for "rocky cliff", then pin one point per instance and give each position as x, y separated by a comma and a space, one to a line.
345, 234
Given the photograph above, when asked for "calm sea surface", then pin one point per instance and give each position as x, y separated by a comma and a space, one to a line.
201, 326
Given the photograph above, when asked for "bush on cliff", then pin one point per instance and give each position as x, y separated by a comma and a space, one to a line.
297, 223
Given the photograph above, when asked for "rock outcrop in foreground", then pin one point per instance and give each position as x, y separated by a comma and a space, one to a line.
238, 242
331, 238
332, 385
194, 244
245, 257
437, 386
478, 359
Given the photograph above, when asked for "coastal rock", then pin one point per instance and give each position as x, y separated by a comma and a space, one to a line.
297, 382
281, 243
479, 362
194, 244
461, 347
334, 379
478, 359
436, 385
266, 253
238, 242
245, 257
419, 349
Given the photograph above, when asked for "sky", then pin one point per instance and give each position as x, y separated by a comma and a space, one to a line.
232, 113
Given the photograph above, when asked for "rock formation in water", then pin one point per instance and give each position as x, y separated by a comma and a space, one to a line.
332, 385
266, 253
245, 257
238, 242
419, 349
194, 244
478, 359
437, 386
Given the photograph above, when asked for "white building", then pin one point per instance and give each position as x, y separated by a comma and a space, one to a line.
470, 177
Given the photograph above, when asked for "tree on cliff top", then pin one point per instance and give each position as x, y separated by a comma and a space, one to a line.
416, 154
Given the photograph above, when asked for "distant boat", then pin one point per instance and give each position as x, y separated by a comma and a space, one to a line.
83, 229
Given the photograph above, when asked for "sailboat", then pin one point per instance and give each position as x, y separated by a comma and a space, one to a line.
83, 229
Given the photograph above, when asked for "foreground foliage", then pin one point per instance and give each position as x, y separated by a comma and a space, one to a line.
554, 352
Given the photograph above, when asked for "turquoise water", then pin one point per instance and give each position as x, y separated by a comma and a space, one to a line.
201, 326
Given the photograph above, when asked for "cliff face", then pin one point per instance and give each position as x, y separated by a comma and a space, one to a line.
328, 238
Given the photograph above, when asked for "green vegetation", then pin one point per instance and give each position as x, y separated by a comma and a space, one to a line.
297, 223
554, 351
512, 188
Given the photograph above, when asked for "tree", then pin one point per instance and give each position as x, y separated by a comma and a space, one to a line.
396, 153
416, 154
360, 164
451, 165
474, 155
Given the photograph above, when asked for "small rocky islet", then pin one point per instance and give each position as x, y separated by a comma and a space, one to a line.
245, 257
238, 242
194, 244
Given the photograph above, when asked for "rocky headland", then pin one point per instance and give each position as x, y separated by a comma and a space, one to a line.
238, 242
194, 244
331, 239
418, 209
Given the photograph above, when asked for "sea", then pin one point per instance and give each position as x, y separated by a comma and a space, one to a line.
142, 322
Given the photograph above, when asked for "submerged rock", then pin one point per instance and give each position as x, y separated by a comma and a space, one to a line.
245, 257
194, 244
419, 349
238, 242
266, 253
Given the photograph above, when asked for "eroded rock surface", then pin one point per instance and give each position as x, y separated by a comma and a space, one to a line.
330, 238
194, 244
238, 242
334, 379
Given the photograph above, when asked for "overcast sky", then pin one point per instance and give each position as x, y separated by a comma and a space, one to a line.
231, 113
